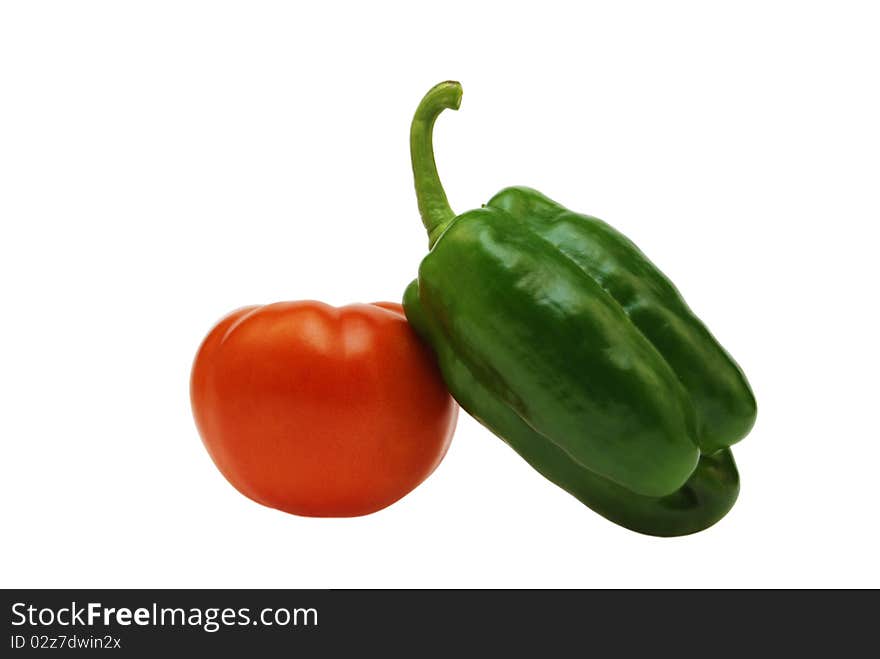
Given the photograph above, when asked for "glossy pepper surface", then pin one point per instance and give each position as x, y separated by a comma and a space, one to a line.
559, 335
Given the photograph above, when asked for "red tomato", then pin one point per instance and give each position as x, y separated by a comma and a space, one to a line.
321, 411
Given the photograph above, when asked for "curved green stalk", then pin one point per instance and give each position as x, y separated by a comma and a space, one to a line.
433, 206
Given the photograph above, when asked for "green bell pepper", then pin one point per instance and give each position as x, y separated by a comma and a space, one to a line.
556, 333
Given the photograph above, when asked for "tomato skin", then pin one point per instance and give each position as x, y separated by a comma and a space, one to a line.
321, 411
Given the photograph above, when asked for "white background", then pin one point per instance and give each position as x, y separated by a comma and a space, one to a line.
162, 163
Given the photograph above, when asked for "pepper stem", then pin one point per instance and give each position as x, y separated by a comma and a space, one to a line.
433, 205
